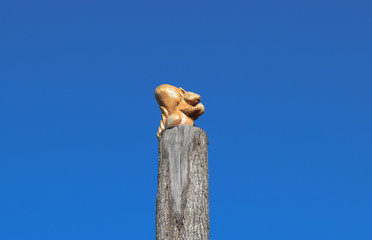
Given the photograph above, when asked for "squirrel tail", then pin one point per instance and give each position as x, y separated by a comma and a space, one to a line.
164, 115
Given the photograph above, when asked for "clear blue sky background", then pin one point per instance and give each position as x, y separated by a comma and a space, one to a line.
287, 89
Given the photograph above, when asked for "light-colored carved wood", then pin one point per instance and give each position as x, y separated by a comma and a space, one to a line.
182, 204
177, 106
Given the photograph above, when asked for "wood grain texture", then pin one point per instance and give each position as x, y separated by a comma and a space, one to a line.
182, 204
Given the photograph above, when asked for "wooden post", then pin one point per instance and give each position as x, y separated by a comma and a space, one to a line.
182, 204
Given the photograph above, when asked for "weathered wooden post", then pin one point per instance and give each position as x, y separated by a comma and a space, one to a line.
182, 204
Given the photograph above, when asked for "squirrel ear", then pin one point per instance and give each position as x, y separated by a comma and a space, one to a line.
182, 91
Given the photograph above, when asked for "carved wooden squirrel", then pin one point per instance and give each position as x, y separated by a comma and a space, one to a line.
178, 107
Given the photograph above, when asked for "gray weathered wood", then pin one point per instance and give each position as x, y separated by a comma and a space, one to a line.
182, 204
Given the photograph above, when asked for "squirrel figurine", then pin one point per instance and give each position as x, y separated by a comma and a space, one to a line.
177, 106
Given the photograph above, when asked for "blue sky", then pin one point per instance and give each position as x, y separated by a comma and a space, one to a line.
287, 90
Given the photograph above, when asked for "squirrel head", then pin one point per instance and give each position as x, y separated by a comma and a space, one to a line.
190, 97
